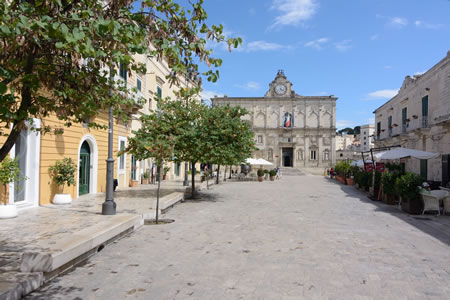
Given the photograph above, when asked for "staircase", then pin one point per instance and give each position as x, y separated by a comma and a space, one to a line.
291, 172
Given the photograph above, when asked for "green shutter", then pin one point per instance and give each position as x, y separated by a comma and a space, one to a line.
425, 106
424, 169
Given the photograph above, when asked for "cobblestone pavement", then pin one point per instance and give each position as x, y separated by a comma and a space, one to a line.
302, 237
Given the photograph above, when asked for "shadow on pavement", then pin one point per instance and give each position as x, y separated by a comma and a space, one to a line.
435, 226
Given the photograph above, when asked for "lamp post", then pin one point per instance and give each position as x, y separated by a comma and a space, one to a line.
109, 206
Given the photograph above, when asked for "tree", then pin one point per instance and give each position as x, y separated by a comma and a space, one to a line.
228, 136
347, 130
155, 139
60, 57
357, 130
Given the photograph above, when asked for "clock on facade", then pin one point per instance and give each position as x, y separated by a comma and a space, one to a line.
280, 89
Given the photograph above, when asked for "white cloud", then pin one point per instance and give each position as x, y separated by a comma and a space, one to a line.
382, 94
293, 12
262, 46
207, 94
398, 21
317, 44
340, 124
422, 24
343, 46
251, 85
418, 73
374, 37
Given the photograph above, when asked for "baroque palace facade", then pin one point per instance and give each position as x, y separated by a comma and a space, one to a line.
291, 130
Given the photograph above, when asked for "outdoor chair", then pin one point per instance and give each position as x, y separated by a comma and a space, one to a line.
431, 200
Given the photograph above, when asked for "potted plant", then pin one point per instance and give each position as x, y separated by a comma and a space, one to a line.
9, 172
62, 173
260, 174
388, 181
407, 187
145, 178
272, 174
166, 170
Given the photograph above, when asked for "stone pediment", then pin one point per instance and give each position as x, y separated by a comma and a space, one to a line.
280, 87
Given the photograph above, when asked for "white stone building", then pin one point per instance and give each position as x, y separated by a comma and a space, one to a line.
366, 139
344, 142
418, 117
291, 130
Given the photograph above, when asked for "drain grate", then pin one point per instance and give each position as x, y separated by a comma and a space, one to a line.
160, 222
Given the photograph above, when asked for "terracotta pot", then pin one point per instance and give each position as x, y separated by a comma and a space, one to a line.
261, 179
133, 183
350, 181
272, 178
144, 180
164, 177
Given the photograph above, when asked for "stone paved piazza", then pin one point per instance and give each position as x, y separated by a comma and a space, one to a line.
302, 237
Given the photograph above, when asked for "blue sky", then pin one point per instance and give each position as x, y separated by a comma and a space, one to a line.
357, 50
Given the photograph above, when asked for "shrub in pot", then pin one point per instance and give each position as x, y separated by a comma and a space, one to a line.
388, 180
9, 172
260, 174
145, 177
407, 187
165, 171
272, 174
62, 173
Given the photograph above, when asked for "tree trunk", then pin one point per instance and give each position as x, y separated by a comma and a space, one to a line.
157, 194
231, 168
25, 103
225, 174
193, 179
218, 172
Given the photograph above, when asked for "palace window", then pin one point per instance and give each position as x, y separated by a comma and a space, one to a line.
260, 139
313, 155
123, 71
139, 84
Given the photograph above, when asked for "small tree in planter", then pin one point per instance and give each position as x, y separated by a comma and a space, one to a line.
166, 170
62, 173
9, 172
260, 174
145, 177
407, 187
272, 174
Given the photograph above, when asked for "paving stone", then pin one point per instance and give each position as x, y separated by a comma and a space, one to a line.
272, 240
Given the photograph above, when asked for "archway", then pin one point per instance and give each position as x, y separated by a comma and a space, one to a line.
87, 150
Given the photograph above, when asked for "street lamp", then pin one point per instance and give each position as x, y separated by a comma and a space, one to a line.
109, 206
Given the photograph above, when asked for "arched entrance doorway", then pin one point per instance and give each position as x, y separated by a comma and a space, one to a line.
287, 155
84, 171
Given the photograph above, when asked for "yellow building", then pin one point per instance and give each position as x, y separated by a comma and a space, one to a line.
89, 147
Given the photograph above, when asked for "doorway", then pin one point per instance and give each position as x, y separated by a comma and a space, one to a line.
85, 169
288, 157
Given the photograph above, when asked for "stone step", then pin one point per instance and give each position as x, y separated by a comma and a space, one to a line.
53, 255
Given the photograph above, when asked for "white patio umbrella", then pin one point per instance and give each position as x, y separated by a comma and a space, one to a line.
398, 153
264, 162
360, 163
252, 161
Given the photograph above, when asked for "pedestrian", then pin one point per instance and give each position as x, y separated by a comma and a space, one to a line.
328, 172
331, 173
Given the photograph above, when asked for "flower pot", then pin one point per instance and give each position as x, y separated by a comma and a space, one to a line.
59, 199
412, 206
350, 181
389, 199
145, 181
261, 179
8, 211
272, 178
133, 183
164, 177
